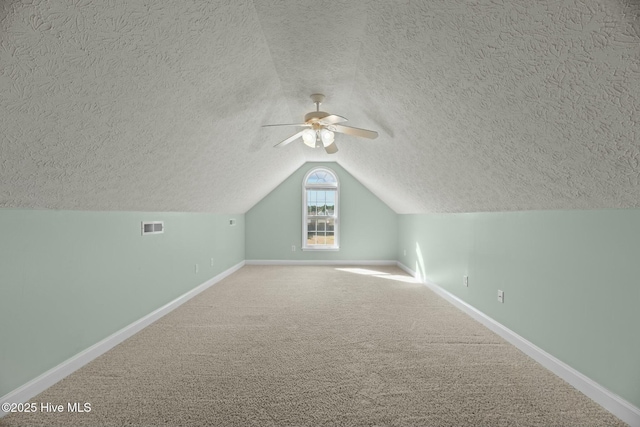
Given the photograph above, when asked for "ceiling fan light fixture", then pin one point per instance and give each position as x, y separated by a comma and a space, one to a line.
309, 137
320, 128
327, 137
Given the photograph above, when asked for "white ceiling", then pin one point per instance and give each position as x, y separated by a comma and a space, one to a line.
481, 105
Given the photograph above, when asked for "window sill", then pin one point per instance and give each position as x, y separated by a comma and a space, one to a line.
312, 249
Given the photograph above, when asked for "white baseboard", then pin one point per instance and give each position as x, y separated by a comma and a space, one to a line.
599, 394
39, 384
317, 262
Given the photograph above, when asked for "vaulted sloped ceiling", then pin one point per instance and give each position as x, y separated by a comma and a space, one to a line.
481, 105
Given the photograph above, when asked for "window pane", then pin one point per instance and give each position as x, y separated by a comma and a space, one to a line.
311, 225
321, 240
311, 202
312, 199
331, 202
330, 224
313, 178
311, 239
330, 238
321, 225
320, 203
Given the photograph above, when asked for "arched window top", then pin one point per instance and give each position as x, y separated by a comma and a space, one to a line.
321, 177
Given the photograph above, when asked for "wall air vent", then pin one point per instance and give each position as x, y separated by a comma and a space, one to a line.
152, 227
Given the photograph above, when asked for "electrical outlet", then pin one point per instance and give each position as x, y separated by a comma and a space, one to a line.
211, 262
197, 268
466, 281
405, 252
501, 296
293, 248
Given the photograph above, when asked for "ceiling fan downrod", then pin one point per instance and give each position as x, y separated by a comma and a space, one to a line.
317, 99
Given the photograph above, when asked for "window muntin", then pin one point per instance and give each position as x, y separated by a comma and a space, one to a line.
320, 210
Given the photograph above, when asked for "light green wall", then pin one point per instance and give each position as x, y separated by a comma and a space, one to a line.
571, 280
368, 227
68, 279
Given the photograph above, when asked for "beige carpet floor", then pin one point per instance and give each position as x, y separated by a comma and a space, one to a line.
316, 346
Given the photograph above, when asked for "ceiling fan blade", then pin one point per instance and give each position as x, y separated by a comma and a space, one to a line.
290, 139
364, 133
289, 124
331, 119
331, 148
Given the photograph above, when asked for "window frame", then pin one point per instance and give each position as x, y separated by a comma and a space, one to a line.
336, 215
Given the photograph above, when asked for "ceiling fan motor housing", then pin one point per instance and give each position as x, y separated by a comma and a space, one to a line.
313, 117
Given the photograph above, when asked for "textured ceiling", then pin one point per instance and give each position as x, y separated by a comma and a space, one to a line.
481, 105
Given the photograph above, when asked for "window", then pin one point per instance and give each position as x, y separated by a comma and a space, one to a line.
320, 210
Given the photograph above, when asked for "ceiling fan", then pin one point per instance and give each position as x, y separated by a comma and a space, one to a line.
320, 128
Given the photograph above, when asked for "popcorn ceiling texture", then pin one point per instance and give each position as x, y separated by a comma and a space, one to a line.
481, 105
